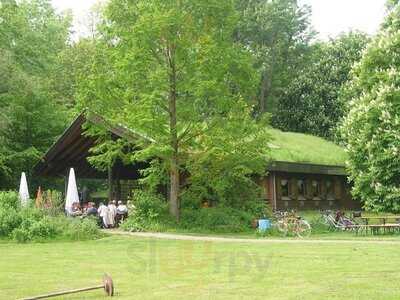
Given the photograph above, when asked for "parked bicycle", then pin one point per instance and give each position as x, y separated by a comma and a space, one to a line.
338, 220
288, 223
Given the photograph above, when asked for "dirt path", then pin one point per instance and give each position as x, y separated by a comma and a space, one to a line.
170, 236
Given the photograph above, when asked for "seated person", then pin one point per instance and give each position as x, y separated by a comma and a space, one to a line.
91, 210
76, 209
122, 212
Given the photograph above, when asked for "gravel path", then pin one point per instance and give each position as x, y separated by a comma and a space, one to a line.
170, 236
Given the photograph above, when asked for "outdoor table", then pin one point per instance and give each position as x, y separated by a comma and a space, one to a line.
383, 224
383, 218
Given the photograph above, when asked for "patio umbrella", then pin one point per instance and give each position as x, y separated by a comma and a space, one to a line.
23, 190
72, 191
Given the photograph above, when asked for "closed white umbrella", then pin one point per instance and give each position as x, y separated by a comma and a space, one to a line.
23, 190
72, 191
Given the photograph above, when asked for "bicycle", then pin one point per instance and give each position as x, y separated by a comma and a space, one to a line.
290, 223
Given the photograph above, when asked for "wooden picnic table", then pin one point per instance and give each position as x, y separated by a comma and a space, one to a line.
382, 218
374, 228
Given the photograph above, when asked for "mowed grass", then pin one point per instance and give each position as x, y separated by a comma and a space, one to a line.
169, 269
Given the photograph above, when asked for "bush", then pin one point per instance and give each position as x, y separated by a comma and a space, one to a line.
151, 213
44, 229
21, 235
9, 200
32, 224
79, 229
216, 219
61, 227
29, 224
10, 218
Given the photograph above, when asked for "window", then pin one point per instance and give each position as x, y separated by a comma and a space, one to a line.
316, 188
330, 190
301, 189
285, 188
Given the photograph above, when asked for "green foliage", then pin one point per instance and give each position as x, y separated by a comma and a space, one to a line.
150, 213
48, 228
371, 128
53, 202
224, 169
277, 34
31, 224
31, 37
9, 219
171, 72
311, 102
76, 229
9, 200
216, 219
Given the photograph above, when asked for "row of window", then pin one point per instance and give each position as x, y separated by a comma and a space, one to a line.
302, 189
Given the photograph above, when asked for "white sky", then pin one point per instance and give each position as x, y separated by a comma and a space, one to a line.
329, 18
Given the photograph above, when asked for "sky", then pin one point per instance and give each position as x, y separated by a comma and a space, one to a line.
329, 17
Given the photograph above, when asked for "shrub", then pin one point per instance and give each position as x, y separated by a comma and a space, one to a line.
32, 224
9, 219
216, 219
9, 199
79, 229
44, 229
21, 235
151, 213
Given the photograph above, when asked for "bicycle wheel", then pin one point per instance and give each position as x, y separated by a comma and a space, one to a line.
282, 227
303, 229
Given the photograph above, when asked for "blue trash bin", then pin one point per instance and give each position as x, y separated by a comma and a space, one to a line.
264, 224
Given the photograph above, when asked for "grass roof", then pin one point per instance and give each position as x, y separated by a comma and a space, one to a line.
303, 148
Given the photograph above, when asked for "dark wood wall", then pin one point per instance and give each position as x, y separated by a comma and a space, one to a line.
282, 190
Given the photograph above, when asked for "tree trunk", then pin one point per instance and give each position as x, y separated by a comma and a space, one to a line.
174, 190
174, 168
265, 92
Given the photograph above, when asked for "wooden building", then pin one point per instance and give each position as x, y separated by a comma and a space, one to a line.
304, 186
72, 149
305, 172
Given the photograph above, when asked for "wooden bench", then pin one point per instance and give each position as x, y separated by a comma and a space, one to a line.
376, 228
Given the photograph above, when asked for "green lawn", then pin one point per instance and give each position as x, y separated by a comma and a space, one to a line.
166, 269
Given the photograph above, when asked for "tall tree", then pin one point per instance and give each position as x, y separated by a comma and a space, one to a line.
311, 103
31, 38
277, 32
171, 71
371, 128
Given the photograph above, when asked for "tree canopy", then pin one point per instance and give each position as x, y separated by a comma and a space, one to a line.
177, 78
199, 82
371, 128
31, 37
311, 102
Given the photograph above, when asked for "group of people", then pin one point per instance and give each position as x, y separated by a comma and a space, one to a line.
110, 215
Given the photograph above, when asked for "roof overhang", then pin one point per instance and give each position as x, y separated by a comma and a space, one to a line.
72, 149
306, 168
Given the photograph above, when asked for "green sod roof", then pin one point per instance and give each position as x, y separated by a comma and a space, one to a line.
303, 148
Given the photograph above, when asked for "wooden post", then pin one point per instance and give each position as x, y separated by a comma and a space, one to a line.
117, 181
110, 183
274, 207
